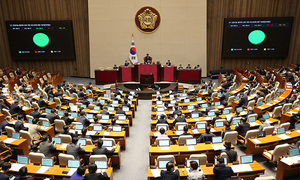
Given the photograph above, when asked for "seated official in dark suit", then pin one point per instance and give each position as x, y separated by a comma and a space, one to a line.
179, 118
120, 111
35, 113
19, 125
74, 149
23, 174
169, 174
52, 116
100, 150
15, 108
92, 175
243, 128
232, 154
3, 173
222, 171
82, 119
197, 111
126, 63
46, 146
169, 63
218, 113
206, 136
2, 105
162, 120
83, 134
41, 102
85, 101
66, 131
105, 111
176, 111
147, 59
185, 131
4, 123
244, 100
209, 107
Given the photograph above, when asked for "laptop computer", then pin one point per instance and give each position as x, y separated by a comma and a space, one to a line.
294, 152
261, 134
22, 159
191, 142
125, 108
16, 135
236, 121
180, 127
101, 164
107, 143
117, 129
82, 142
226, 111
201, 126
187, 100
281, 130
46, 123
211, 113
217, 139
163, 143
266, 116
97, 128
73, 163
57, 140
188, 161
195, 115
122, 118
246, 159
105, 117
78, 126
219, 124
47, 162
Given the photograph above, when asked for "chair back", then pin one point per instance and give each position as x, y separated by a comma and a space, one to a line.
285, 107
202, 158
277, 112
80, 86
269, 130
6, 112
57, 101
166, 158
89, 142
231, 136
251, 104
295, 104
213, 95
26, 135
109, 139
265, 177
230, 109
180, 124
75, 96
59, 124
160, 124
182, 139
258, 100
35, 157
63, 158
35, 105
230, 100
94, 158
252, 115
279, 151
250, 134
224, 155
285, 125
9, 130
65, 138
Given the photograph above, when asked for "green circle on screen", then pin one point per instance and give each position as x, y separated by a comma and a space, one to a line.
41, 39
256, 37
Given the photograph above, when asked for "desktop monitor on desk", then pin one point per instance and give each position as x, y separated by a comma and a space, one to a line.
190, 107
105, 117
240, 109
125, 108
261, 134
164, 143
281, 130
217, 139
219, 124
201, 126
78, 126
180, 127
15, 135
164, 126
266, 116
187, 100
47, 162
117, 128
226, 111
48, 110
107, 143
246, 159
121, 117
96, 108
236, 122
81, 142
22, 159
101, 164
191, 142
195, 115
218, 103
294, 152
252, 119
211, 113
56, 140
89, 116
297, 126
73, 163
97, 127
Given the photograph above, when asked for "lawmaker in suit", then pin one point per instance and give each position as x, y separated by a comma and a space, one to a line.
162, 120
34, 129
244, 100
170, 174
120, 111
15, 108
35, 113
207, 136
74, 149
243, 128
232, 154
105, 111
23, 174
82, 119
100, 150
147, 59
179, 118
197, 111
41, 102
19, 125
222, 171
92, 175
4, 123
52, 116
46, 146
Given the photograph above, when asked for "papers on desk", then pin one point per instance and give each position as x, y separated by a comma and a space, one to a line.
292, 112
155, 172
179, 132
298, 131
270, 122
93, 111
218, 147
156, 134
243, 113
27, 125
290, 160
106, 133
71, 171
256, 141
191, 148
9, 140
212, 130
91, 133
234, 91
284, 136
228, 117
109, 148
100, 171
208, 118
197, 119
103, 121
165, 148
195, 131
253, 124
16, 166
72, 131
241, 168
43, 169
63, 146
12, 122
269, 104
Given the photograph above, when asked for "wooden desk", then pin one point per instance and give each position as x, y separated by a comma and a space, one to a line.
115, 157
209, 174
119, 137
287, 116
21, 145
182, 152
284, 170
269, 142
54, 172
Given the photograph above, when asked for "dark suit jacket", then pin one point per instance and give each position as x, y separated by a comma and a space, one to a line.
83, 120
35, 114
2, 107
85, 102
104, 112
179, 119
14, 109
52, 117
19, 126
243, 128
209, 108
3, 124
169, 175
197, 111
232, 154
176, 112
74, 150
243, 101
206, 137
162, 121
42, 103
214, 119
120, 112
96, 176
98, 150
45, 148
222, 172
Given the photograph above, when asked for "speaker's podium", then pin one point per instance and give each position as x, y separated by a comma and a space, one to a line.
146, 79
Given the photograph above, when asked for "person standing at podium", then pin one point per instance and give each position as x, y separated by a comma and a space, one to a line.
126, 63
147, 59
168, 63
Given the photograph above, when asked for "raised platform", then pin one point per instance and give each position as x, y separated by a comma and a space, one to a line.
146, 91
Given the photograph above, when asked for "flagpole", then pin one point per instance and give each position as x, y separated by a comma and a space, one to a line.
132, 37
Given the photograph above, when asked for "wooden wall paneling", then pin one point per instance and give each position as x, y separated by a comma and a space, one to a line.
217, 10
75, 10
